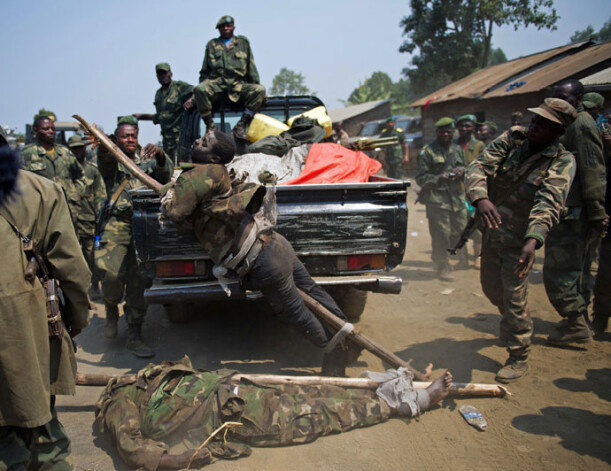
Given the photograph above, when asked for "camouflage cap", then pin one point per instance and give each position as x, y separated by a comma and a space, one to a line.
76, 141
467, 117
593, 100
163, 66
443, 122
491, 125
556, 110
128, 119
224, 20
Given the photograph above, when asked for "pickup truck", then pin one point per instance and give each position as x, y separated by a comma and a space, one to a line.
348, 235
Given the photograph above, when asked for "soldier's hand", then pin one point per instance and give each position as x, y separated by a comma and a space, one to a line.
488, 213
459, 172
182, 461
189, 104
526, 260
152, 151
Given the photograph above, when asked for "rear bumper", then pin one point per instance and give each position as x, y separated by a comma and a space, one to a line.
175, 293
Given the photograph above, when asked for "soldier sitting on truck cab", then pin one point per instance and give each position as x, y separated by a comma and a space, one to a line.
229, 219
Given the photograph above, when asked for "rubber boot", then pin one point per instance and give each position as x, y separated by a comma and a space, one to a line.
135, 344
335, 362
515, 368
210, 126
239, 130
110, 328
571, 331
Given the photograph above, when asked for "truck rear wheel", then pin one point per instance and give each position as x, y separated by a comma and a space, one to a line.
180, 313
350, 300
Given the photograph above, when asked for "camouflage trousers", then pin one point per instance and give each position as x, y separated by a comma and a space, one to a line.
123, 275
43, 448
509, 294
393, 165
569, 254
293, 414
602, 288
87, 243
170, 145
211, 91
445, 227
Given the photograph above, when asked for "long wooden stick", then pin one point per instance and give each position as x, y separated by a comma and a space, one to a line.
119, 155
458, 389
362, 340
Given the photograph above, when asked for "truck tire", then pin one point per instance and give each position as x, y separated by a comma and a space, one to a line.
350, 300
179, 313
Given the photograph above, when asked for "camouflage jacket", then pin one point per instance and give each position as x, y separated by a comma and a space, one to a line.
63, 169
172, 400
432, 162
587, 194
532, 209
395, 152
168, 105
32, 368
231, 66
203, 194
118, 229
93, 196
472, 150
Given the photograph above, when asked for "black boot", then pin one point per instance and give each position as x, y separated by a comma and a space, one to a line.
335, 362
239, 130
210, 126
135, 344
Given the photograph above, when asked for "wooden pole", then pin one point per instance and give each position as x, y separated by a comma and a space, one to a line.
458, 389
360, 339
93, 130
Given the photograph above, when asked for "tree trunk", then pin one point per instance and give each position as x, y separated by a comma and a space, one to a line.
487, 44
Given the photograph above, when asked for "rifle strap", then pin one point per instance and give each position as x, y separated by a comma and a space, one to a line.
115, 196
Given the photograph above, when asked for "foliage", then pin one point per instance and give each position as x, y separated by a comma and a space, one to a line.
603, 35
289, 82
453, 37
497, 56
381, 87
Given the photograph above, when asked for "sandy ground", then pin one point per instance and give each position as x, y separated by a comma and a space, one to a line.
559, 416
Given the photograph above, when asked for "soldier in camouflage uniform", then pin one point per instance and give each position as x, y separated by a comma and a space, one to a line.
395, 157
92, 198
471, 146
173, 401
229, 70
570, 247
116, 255
441, 167
55, 162
34, 366
172, 97
227, 219
542, 169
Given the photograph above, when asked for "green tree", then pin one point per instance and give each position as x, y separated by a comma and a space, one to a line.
377, 87
453, 37
603, 35
497, 56
289, 82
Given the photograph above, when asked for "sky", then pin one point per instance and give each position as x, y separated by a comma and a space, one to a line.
97, 58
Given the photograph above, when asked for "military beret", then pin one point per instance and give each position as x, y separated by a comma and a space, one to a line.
467, 117
443, 122
392, 118
76, 141
556, 110
163, 66
128, 119
224, 20
593, 100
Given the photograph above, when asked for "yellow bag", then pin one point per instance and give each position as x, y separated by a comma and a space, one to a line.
319, 114
262, 126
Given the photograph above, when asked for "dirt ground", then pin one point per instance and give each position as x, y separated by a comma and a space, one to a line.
559, 416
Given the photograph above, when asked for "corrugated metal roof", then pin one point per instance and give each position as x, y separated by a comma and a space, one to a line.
599, 78
483, 82
340, 114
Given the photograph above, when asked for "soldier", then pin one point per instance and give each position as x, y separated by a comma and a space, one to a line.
441, 167
116, 256
569, 249
395, 156
531, 173
172, 400
35, 366
485, 131
172, 97
465, 139
92, 198
229, 70
54, 161
516, 118
229, 221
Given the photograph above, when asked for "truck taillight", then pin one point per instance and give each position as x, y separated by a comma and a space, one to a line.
361, 262
172, 269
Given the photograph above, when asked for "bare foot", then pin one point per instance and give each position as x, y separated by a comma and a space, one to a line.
440, 388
